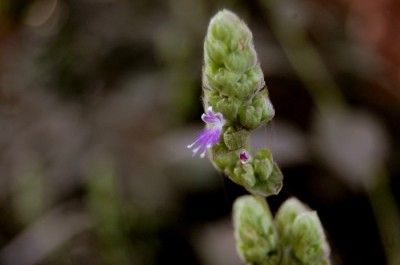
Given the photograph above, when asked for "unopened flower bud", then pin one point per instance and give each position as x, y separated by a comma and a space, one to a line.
263, 164
308, 239
244, 157
235, 139
222, 158
216, 50
250, 117
243, 174
263, 103
228, 106
286, 215
271, 186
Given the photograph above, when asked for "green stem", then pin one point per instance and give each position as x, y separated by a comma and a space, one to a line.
387, 216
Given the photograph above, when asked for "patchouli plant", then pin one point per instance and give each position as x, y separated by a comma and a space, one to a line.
235, 103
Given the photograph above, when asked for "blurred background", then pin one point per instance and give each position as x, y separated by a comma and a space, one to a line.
99, 98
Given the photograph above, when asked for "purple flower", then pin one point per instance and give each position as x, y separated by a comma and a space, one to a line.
209, 135
244, 157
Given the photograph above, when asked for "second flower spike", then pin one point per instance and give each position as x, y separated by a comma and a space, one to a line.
294, 237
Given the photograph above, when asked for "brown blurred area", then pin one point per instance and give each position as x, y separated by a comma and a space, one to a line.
99, 98
377, 25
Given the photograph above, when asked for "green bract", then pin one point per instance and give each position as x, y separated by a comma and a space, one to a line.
233, 84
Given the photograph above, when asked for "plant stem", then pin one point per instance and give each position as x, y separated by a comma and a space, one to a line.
386, 215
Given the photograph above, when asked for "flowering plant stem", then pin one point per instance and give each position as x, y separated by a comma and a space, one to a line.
236, 102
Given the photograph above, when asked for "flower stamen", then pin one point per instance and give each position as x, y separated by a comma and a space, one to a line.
210, 135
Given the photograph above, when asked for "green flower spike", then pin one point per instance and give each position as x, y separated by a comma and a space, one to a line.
302, 236
295, 237
255, 233
233, 87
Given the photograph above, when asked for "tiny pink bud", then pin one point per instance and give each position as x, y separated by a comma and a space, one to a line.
244, 157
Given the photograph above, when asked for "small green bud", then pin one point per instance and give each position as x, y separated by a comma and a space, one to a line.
286, 215
243, 174
216, 50
308, 239
250, 117
256, 76
255, 234
263, 103
272, 185
223, 158
260, 110
235, 139
229, 107
224, 26
260, 175
222, 80
263, 164
301, 234
241, 60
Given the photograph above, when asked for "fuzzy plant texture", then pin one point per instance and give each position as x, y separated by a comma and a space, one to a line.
294, 237
236, 102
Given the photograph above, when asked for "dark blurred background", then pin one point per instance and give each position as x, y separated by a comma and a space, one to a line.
99, 98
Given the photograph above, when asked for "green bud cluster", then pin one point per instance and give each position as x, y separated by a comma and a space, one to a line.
233, 84
302, 235
294, 237
255, 234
